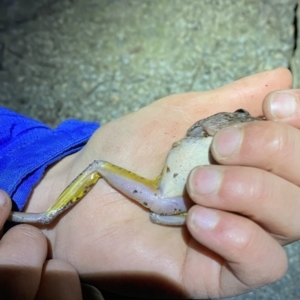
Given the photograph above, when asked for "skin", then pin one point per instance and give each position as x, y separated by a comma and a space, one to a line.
25, 271
109, 239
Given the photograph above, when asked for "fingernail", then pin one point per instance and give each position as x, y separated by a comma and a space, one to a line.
3, 198
227, 142
204, 218
282, 104
204, 180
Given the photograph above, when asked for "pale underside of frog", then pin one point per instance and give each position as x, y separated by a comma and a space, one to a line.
165, 196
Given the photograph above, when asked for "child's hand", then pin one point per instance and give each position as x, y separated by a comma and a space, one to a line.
110, 240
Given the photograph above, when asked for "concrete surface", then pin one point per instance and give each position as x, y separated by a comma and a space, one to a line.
100, 59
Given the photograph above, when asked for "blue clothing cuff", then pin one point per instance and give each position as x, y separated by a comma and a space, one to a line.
28, 147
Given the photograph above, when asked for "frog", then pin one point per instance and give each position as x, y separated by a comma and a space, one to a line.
165, 196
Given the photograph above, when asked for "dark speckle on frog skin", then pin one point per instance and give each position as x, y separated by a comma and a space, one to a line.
175, 175
145, 203
135, 191
168, 170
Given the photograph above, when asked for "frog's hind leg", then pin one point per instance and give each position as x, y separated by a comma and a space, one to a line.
75, 191
142, 190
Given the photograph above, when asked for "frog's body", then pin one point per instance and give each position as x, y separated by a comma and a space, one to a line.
165, 195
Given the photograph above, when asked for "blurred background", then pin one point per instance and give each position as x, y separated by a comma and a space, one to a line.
101, 59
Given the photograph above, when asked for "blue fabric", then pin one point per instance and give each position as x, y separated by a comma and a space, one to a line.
28, 147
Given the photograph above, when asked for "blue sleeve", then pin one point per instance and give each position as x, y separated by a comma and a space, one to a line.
28, 147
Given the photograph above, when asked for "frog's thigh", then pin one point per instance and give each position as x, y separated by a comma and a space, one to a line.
172, 220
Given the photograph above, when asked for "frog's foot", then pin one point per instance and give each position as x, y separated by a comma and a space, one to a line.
173, 220
22, 217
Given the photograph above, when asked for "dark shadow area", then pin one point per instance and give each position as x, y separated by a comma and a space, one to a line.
135, 285
16, 12
295, 23
115, 285
20, 282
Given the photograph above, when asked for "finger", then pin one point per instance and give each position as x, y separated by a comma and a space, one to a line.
23, 251
272, 146
267, 199
284, 106
247, 93
5, 207
59, 281
250, 257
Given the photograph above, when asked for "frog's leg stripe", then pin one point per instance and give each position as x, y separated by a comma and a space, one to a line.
107, 168
75, 191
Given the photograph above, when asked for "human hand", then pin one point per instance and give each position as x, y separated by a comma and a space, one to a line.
110, 240
24, 271
256, 187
